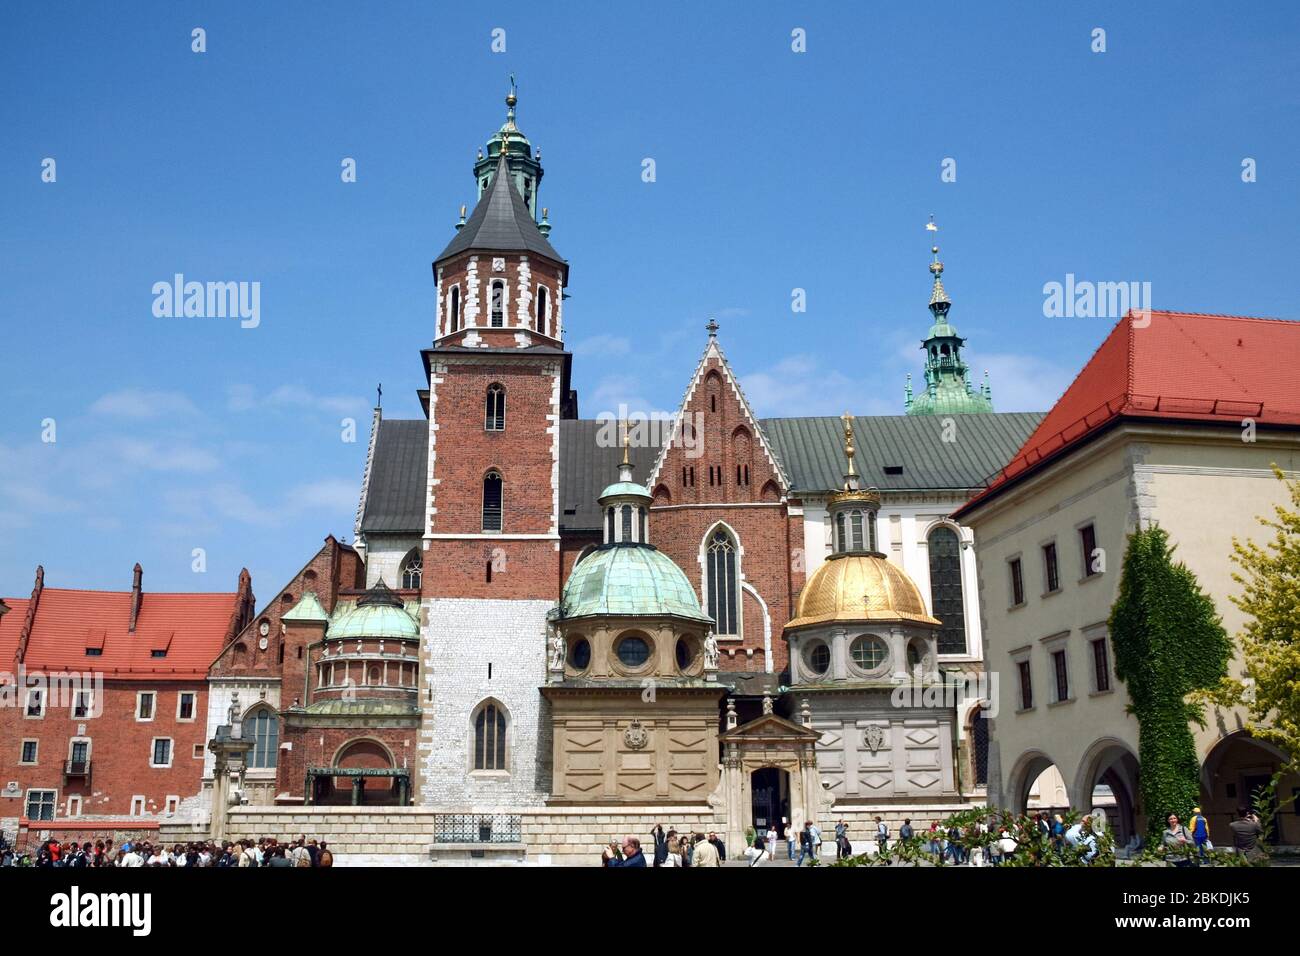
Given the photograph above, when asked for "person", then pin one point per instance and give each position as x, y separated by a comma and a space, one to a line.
1177, 839
1200, 829
325, 857
1058, 833
790, 836
278, 860
661, 844
806, 844
1088, 840
248, 858
1246, 832
673, 850
759, 850
905, 831
882, 836
840, 831
705, 853
300, 855
632, 855
719, 846
771, 841
936, 836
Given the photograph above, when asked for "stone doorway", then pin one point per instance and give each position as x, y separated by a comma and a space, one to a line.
770, 799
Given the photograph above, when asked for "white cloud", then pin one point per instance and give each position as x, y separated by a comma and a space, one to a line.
244, 398
162, 456
602, 345
799, 385
1023, 383
329, 494
141, 403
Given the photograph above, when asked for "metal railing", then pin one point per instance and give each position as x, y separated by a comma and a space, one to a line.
478, 828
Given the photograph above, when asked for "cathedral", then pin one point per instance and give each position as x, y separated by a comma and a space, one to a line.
542, 610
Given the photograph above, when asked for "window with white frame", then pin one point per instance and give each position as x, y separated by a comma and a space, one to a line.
161, 753
29, 751
144, 704
185, 705
497, 295
35, 704
173, 804
83, 704
74, 806
137, 805
722, 582
264, 729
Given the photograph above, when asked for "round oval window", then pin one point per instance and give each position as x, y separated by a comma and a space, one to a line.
633, 651
868, 653
580, 654
819, 659
685, 652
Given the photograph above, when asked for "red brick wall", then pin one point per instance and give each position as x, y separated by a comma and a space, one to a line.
121, 749
523, 453
767, 533
541, 272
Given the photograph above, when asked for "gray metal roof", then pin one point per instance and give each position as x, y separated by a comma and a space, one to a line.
812, 449
586, 468
500, 222
399, 476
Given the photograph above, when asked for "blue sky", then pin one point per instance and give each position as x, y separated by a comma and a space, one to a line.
775, 170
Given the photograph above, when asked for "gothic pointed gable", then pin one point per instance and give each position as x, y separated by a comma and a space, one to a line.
715, 428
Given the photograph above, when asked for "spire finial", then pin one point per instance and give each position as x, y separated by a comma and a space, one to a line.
939, 301
851, 475
626, 444
712, 328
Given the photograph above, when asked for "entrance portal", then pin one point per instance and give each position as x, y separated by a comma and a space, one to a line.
770, 787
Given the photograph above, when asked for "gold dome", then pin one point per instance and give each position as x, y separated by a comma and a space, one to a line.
859, 587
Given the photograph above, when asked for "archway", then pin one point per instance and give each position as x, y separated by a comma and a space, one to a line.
359, 755
1035, 783
1107, 780
769, 789
1233, 774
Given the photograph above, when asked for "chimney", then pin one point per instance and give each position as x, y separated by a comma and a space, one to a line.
136, 577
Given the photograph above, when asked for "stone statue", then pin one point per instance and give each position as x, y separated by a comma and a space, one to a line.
711, 652
558, 652
767, 704
232, 713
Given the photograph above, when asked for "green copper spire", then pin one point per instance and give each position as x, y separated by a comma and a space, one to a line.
525, 163
948, 390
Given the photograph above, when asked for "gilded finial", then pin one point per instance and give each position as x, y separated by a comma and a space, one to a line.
626, 444
847, 418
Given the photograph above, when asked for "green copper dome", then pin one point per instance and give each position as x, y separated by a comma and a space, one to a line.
380, 613
629, 580
625, 488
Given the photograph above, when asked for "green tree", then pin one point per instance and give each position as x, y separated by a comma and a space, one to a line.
1169, 643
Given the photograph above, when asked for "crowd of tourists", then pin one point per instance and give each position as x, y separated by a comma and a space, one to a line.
669, 849
267, 851
1189, 844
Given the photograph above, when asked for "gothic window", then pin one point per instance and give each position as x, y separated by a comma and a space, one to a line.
945, 589
498, 304
412, 570
626, 532
494, 411
492, 501
454, 308
722, 582
490, 738
541, 309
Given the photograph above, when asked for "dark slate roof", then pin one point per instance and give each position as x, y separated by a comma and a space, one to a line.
586, 469
500, 222
812, 449
399, 477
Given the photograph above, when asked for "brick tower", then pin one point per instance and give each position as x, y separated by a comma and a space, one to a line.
498, 379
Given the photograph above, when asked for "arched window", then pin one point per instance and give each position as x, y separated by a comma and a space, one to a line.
541, 309
855, 526
263, 728
945, 589
498, 303
645, 527
609, 525
492, 501
413, 569
454, 308
720, 565
490, 738
626, 533
494, 408
841, 538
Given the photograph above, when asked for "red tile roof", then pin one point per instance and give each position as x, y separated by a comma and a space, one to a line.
1169, 365
191, 627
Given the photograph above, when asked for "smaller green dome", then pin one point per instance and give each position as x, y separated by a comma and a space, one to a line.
379, 613
623, 488
630, 580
